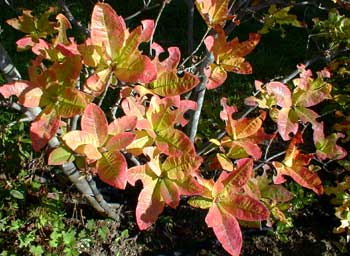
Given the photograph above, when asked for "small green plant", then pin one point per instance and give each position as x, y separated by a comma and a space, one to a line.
150, 133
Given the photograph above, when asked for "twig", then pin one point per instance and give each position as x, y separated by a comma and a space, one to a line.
268, 146
196, 50
6, 66
71, 18
199, 93
269, 159
115, 108
103, 95
74, 123
190, 15
69, 169
144, 8
165, 2
207, 146
133, 159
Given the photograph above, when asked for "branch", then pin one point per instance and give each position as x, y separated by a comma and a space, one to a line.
144, 8
190, 15
165, 2
197, 48
93, 196
269, 160
71, 18
208, 147
6, 66
198, 96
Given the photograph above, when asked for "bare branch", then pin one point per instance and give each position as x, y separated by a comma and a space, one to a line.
144, 8
197, 48
165, 2
93, 196
6, 66
198, 96
190, 14
71, 18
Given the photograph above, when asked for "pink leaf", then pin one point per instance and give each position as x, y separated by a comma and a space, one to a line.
120, 141
94, 122
148, 28
226, 229
281, 92
122, 124
107, 28
226, 113
216, 76
14, 88
149, 205
44, 128
111, 169
285, 125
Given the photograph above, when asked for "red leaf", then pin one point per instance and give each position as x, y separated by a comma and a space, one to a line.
295, 165
120, 141
122, 124
226, 229
241, 174
228, 57
107, 29
94, 122
281, 92
43, 128
111, 169
246, 208
14, 88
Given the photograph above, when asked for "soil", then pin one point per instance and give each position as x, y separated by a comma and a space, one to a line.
183, 232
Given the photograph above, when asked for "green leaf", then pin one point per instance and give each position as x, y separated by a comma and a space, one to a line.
200, 202
60, 156
17, 194
69, 237
111, 168
174, 142
168, 82
103, 232
276, 18
71, 102
36, 250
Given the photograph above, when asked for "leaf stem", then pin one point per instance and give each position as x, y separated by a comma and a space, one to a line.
196, 50
144, 8
71, 18
269, 159
165, 2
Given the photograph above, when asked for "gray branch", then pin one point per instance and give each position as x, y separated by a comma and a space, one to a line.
85, 187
